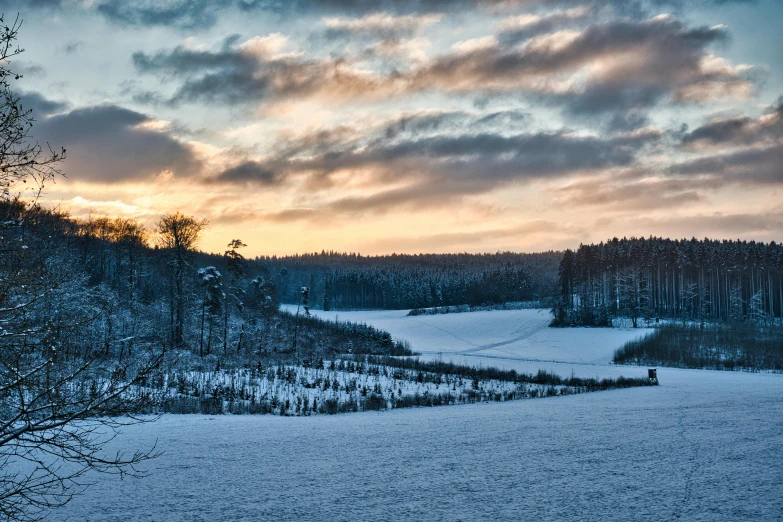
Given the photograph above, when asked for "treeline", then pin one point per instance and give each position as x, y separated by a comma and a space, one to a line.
739, 346
653, 278
114, 287
491, 373
324, 338
351, 281
460, 309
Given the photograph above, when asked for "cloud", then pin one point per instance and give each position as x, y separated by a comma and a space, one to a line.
628, 120
73, 46
474, 240
379, 25
290, 215
204, 14
427, 160
607, 67
617, 68
518, 28
254, 72
108, 143
738, 130
27, 69
738, 149
392, 39
40, 105
486, 156
747, 166
186, 14
763, 225
632, 191
408, 51
250, 171
184, 60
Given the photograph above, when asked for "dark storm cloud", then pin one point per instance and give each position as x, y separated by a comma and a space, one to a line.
106, 143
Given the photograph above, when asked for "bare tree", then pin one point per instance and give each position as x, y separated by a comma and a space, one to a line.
178, 234
22, 160
61, 397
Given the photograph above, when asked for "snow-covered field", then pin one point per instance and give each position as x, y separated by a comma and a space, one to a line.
705, 445
511, 339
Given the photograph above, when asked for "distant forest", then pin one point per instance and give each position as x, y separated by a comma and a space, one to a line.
652, 278
339, 281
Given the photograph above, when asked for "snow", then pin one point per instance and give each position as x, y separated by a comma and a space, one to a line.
340, 386
704, 445
495, 338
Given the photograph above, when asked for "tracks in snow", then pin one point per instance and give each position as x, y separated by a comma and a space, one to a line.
527, 333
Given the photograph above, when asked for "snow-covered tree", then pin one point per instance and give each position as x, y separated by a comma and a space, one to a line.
211, 304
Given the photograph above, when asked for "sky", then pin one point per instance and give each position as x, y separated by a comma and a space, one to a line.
413, 126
